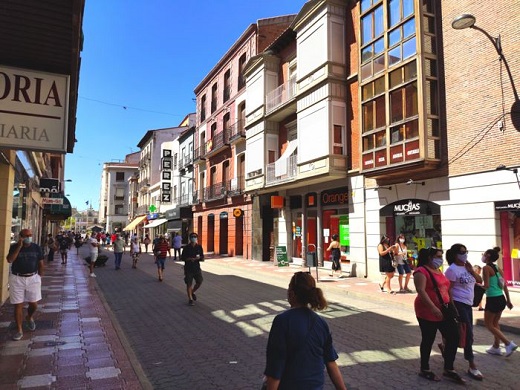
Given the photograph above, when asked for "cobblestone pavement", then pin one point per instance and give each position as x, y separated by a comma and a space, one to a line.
220, 343
141, 333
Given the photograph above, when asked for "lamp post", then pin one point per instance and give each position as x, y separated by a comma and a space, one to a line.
468, 21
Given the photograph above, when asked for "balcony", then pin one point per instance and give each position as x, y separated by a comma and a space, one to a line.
280, 95
282, 171
217, 142
236, 186
185, 161
215, 191
200, 152
237, 131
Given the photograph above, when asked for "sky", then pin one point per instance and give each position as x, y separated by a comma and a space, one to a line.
140, 63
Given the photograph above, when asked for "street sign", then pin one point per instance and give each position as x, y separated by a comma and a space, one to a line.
237, 213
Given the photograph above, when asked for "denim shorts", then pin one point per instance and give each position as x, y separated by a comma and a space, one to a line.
160, 262
403, 268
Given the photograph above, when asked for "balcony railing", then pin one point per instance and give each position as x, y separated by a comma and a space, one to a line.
236, 186
185, 161
200, 152
215, 191
280, 95
290, 170
237, 130
217, 142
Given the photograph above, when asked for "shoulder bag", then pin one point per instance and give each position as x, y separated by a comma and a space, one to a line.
448, 309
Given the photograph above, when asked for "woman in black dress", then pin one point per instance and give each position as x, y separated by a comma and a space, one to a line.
386, 252
335, 253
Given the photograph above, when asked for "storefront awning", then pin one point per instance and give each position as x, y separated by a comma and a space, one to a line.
135, 222
174, 225
155, 223
280, 165
58, 212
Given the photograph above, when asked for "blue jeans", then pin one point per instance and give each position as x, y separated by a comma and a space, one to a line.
119, 257
466, 316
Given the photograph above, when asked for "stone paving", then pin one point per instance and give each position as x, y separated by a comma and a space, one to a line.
220, 342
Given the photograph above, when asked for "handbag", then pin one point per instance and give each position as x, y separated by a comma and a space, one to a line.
448, 309
478, 294
462, 334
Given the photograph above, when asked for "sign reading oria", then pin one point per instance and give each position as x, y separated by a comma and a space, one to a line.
34, 110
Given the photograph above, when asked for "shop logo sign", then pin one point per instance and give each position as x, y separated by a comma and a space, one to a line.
407, 208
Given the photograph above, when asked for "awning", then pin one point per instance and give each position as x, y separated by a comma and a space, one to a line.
280, 165
155, 223
174, 225
58, 212
135, 222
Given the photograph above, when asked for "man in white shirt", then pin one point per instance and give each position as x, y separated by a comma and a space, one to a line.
93, 246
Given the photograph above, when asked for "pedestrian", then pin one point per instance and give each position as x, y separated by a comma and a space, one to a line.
64, 244
119, 248
300, 343
478, 270
161, 249
177, 245
94, 250
429, 283
78, 242
146, 242
192, 255
51, 245
462, 279
135, 251
403, 267
495, 302
25, 283
335, 253
386, 253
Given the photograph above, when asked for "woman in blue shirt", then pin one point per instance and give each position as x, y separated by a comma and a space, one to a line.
300, 344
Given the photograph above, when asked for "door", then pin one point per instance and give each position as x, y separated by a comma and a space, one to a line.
223, 239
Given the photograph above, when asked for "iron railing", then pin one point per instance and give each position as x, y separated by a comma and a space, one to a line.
280, 95
289, 169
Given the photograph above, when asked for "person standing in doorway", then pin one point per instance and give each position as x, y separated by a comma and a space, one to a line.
161, 249
94, 250
192, 255
177, 245
119, 249
335, 253
26, 259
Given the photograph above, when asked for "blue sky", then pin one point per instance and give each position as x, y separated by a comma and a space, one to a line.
141, 61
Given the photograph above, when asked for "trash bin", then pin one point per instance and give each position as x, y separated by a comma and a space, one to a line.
311, 259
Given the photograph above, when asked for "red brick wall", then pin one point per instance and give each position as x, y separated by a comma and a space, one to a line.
478, 89
353, 103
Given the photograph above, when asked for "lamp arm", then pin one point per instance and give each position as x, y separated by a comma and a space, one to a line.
498, 47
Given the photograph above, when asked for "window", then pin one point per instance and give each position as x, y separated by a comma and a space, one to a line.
227, 85
120, 194
120, 176
214, 97
119, 209
203, 108
337, 146
241, 64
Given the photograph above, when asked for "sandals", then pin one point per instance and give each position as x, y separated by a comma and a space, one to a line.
429, 375
454, 377
475, 374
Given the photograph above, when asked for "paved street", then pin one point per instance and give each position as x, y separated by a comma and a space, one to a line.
220, 343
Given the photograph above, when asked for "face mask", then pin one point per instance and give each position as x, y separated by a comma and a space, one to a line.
436, 262
27, 240
462, 257
484, 259
401, 240
193, 239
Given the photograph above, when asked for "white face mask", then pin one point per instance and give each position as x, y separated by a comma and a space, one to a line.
437, 262
401, 240
462, 257
484, 259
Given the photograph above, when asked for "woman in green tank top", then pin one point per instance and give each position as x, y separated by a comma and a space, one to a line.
496, 302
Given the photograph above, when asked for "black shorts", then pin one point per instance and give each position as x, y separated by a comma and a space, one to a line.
495, 304
190, 276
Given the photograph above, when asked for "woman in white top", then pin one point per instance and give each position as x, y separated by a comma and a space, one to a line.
402, 263
462, 279
135, 250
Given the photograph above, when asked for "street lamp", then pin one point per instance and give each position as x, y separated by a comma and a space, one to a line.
468, 21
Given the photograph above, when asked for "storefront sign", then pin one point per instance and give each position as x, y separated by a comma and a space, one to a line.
33, 110
336, 196
410, 207
52, 200
49, 186
508, 205
281, 256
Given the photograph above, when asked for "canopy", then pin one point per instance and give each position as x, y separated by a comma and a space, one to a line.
135, 222
155, 223
280, 165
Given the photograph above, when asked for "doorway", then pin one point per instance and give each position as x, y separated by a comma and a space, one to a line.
223, 239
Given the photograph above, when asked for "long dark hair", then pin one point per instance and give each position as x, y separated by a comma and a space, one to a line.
451, 254
384, 239
425, 254
493, 253
305, 291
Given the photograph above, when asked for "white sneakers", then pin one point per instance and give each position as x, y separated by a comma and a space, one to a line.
510, 348
92, 275
494, 351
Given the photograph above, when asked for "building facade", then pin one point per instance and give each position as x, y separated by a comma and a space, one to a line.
222, 215
115, 192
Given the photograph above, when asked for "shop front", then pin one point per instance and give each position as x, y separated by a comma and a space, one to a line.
509, 215
419, 220
179, 220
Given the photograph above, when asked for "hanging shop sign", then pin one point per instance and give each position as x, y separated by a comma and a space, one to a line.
33, 110
51, 186
237, 213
